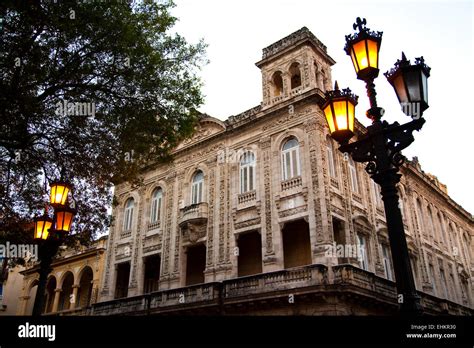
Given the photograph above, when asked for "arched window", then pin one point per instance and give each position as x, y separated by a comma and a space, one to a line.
197, 187
295, 75
290, 159
155, 211
331, 163
128, 214
247, 172
277, 81
353, 175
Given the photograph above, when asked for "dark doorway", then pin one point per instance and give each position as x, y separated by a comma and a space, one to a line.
296, 244
250, 254
195, 264
123, 275
152, 273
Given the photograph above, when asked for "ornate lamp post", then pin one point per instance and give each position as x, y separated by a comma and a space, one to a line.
49, 234
381, 146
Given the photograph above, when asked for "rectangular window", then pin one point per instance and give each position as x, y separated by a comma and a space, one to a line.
387, 264
245, 180
296, 169
354, 181
196, 193
363, 257
251, 178
158, 209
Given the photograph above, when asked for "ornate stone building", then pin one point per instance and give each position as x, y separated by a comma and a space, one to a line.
246, 218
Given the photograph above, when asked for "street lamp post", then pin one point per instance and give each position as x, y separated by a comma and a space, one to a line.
381, 146
49, 234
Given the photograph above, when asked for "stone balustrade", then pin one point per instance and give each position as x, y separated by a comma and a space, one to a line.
317, 279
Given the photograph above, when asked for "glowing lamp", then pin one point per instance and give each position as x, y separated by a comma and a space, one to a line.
63, 219
42, 226
363, 48
59, 192
339, 109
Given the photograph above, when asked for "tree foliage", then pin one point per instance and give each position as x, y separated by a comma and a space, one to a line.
90, 92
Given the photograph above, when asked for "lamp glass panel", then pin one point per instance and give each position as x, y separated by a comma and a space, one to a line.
42, 229
424, 81
351, 109
373, 53
361, 54
354, 61
399, 85
59, 194
412, 79
329, 118
340, 113
63, 221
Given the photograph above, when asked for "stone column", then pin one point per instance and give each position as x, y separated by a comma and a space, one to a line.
23, 305
57, 294
75, 290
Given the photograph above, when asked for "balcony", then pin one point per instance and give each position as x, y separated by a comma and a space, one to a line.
194, 213
317, 290
247, 197
193, 222
291, 183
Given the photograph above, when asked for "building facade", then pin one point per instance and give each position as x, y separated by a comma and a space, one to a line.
261, 214
72, 285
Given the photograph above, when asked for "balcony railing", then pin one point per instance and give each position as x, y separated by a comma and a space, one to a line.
125, 233
291, 183
247, 197
218, 297
194, 213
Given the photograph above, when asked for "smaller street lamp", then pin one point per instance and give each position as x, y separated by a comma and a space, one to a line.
410, 83
63, 219
339, 109
42, 227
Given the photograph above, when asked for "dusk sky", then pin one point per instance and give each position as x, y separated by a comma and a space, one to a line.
441, 31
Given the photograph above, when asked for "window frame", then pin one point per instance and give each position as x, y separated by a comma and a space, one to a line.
289, 158
355, 186
247, 172
362, 241
156, 205
128, 214
197, 188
